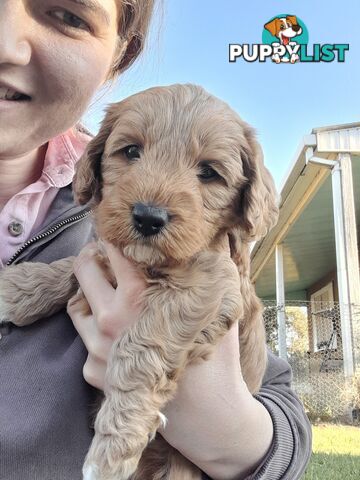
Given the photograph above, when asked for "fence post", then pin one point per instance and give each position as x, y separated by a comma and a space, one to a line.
280, 301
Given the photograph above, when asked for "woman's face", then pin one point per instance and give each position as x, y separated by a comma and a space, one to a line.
57, 53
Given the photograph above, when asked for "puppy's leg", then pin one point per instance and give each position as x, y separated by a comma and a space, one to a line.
175, 466
146, 362
252, 338
160, 461
231, 311
253, 354
30, 291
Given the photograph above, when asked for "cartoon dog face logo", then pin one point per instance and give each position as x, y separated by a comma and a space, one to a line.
284, 28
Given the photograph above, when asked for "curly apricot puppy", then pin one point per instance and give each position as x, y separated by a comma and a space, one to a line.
174, 177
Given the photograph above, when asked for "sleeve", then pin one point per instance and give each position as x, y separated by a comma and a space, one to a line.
290, 451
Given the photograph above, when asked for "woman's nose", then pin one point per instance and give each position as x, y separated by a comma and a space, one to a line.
15, 46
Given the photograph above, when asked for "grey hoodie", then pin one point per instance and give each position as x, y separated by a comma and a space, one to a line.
46, 406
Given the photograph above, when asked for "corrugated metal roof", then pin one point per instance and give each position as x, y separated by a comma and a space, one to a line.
306, 225
339, 140
308, 248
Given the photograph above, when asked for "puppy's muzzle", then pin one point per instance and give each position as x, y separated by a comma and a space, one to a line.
148, 219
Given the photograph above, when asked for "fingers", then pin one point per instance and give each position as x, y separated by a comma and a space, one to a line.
97, 342
94, 372
125, 272
97, 289
130, 281
98, 345
111, 310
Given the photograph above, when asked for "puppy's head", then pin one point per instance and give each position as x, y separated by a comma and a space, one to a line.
171, 169
284, 28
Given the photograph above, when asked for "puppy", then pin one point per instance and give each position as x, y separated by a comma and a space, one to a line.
177, 183
285, 29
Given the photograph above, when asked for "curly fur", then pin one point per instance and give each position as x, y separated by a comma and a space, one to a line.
195, 292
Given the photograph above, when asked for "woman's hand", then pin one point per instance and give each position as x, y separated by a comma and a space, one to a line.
213, 419
112, 310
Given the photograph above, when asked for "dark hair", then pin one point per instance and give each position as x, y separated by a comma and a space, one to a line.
133, 26
134, 20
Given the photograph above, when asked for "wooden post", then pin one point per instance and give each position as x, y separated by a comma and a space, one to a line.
280, 301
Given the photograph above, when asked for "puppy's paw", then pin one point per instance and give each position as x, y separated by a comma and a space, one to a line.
163, 420
4, 307
122, 471
276, 58
90, 472
111, 457
12, 297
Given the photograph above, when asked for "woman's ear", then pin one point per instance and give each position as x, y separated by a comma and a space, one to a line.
257, 202
87, 181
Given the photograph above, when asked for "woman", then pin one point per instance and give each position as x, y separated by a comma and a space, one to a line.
54, 55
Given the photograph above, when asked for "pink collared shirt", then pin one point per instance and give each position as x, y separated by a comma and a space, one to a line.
25, 212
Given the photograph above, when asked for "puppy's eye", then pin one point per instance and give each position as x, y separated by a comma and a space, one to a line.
132, 151
207, 173
282, 27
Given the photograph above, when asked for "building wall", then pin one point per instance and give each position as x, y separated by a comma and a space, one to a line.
330, 277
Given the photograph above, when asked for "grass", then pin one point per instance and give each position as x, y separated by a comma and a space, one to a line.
336, 453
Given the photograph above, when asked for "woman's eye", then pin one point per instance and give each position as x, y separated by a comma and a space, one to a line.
207, 173
70, 20
132, 151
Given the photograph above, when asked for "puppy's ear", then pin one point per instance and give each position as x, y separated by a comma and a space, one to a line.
257, 203
292, 19
87, 181
272, 27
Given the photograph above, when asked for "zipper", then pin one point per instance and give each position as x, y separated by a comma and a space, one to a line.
46, 234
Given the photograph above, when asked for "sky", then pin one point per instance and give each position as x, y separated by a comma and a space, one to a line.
189, 43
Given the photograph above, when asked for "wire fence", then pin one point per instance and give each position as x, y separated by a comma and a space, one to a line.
315, 351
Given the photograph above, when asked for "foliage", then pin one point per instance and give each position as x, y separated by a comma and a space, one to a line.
296, 329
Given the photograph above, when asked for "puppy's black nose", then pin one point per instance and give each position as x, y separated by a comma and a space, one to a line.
296, 28
149, 220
